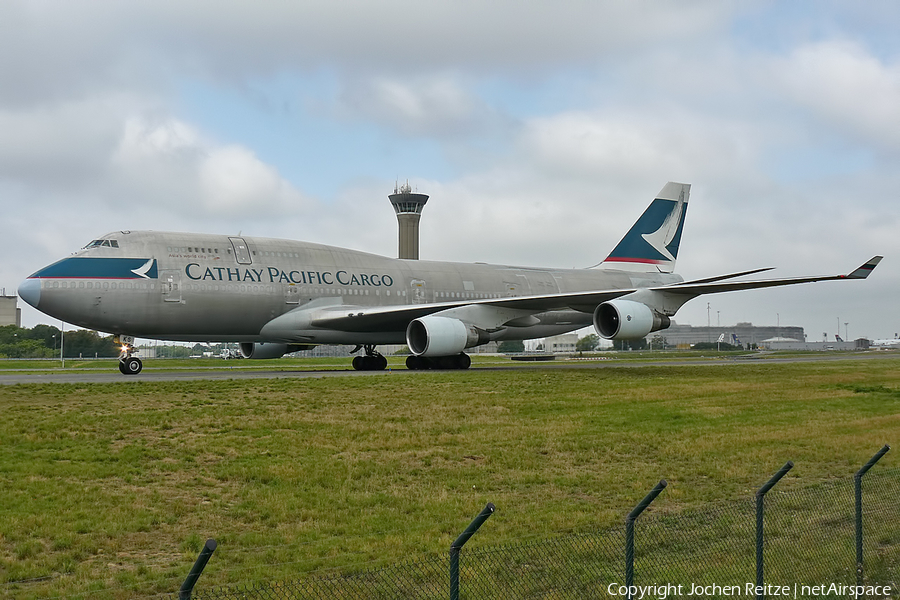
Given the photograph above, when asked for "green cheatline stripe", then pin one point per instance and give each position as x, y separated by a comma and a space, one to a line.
99, 268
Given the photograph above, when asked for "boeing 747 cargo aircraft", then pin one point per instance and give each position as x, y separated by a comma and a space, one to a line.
279, 296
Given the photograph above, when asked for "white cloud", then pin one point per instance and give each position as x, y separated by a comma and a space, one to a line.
49, 48
437, 106
845, 86
60, 144
234, 181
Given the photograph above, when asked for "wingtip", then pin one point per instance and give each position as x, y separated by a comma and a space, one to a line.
866, 268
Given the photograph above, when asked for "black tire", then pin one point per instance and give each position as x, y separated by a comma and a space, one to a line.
131, 366
463, 361
417, 363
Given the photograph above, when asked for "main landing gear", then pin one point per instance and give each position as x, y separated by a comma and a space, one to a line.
456, 361
128, 363
371, 361
374, 361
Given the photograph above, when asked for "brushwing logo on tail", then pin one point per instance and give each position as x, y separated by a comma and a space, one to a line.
665, 235
655, 237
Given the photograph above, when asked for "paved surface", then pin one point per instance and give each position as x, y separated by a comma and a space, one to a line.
112, 374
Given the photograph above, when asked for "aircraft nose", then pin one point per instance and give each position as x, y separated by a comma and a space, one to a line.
30, 291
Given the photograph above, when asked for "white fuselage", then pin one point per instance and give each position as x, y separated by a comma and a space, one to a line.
202, 287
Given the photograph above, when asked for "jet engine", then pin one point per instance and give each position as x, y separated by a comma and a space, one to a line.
442, 336
262, 350
627, 320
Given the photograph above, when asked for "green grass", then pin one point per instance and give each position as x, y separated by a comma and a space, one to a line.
394, 362
110, 490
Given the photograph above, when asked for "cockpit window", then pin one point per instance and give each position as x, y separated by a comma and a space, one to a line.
104, 243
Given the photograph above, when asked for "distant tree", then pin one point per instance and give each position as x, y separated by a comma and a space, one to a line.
43, 341
10, 334
174, 351
658, 342
640, 344
403, 350
88, 344
511, 346
25, 348
588, 343
46, 334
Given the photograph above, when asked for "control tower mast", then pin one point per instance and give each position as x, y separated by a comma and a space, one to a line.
408, 207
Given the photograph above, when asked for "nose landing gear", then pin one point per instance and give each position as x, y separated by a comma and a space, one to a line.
128, 363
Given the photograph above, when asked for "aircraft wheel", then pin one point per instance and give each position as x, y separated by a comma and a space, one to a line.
463, 361
374, 362
416, 363
131, 366
445, 362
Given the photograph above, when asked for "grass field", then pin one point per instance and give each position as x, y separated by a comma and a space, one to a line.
110, 490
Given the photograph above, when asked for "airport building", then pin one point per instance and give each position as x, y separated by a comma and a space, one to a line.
783, 344
685, 336
564, 343
10, 313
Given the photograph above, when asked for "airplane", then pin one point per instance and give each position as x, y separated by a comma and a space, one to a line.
277, 296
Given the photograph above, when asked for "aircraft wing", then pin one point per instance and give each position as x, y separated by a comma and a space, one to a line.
381, 318
492, 312
714, 286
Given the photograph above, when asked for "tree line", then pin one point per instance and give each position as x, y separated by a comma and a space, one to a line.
43, 341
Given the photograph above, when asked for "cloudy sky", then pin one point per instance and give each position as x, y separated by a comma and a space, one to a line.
540, 130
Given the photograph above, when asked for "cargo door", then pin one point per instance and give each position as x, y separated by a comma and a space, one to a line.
291, 294
170, 285
418, 291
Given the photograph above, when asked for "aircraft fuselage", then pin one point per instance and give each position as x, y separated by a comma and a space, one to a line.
202, 287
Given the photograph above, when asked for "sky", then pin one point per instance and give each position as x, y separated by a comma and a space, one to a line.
540, 131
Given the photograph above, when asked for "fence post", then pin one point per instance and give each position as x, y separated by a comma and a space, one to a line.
456, 546
760, 500
629, 533
857, 491
188, 586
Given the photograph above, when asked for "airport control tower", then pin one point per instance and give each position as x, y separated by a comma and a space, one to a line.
408, 207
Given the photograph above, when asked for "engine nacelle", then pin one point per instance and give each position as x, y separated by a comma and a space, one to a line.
627, 320
442, 336
261, 350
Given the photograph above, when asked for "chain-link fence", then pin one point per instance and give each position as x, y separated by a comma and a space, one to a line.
810, 538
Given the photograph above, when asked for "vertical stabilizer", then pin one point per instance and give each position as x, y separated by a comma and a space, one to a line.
652, 242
